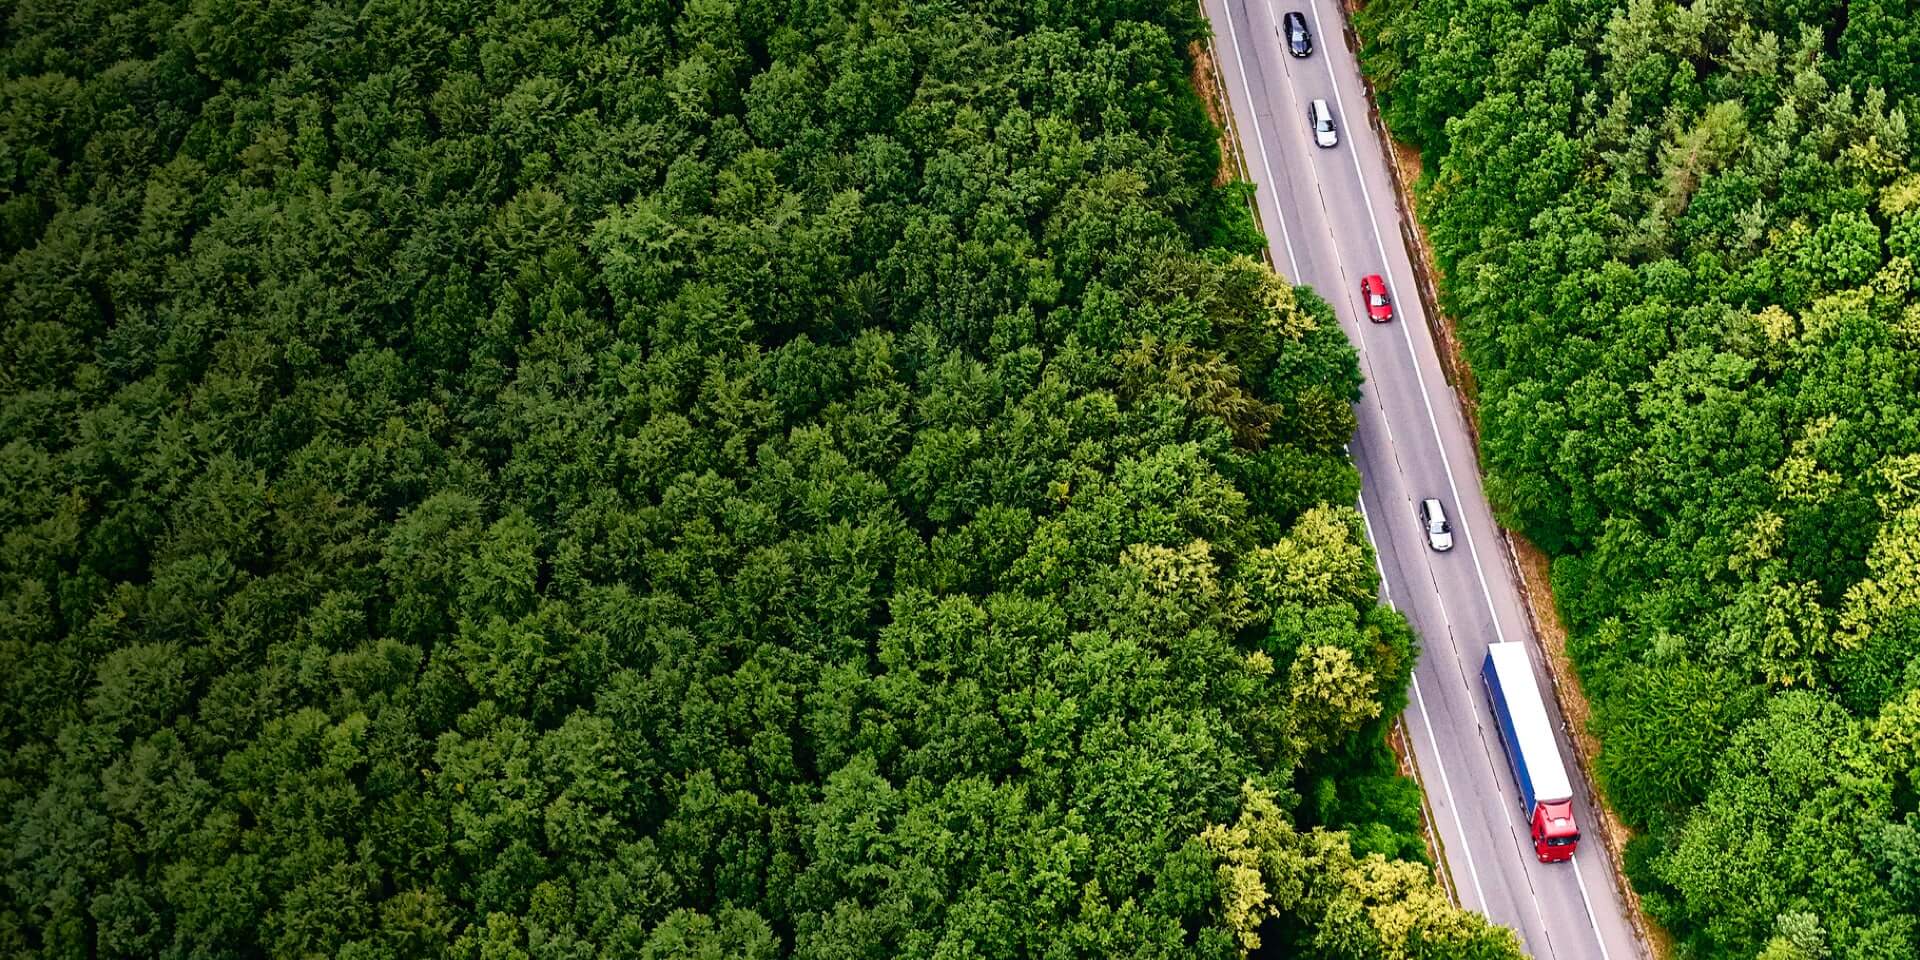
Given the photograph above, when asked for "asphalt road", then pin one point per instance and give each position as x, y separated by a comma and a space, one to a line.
1331, 219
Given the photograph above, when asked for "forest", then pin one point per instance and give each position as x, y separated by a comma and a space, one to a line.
1681, 244
732, 478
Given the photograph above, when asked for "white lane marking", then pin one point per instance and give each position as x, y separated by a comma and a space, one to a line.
1420, 379
1466, 847
1357, 334
1253, 113
1522, 847
1366, 520
1439, 762
1574, 860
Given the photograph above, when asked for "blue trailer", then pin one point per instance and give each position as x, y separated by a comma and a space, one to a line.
1545, 793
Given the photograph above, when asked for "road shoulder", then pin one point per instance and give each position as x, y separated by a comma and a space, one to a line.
1527, 564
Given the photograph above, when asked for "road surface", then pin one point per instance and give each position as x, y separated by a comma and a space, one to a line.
1331, 219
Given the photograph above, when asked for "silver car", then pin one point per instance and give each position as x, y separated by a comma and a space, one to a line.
1433, 518
1320, 118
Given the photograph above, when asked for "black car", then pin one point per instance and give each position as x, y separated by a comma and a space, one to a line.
1299, 41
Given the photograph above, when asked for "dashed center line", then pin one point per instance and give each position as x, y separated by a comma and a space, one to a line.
1420, 382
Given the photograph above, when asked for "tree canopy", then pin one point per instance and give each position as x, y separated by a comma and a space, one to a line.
1680, 243
723, 478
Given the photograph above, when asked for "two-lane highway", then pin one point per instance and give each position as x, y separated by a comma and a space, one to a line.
1331, 219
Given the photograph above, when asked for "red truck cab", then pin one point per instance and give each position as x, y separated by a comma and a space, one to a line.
1554, 835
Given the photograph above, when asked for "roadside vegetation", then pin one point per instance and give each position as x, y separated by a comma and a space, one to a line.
659, 480
1682, 247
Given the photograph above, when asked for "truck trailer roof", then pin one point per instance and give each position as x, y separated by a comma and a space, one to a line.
1530, 724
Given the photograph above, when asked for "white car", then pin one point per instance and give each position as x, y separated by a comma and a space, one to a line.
1320, 118
1433, 518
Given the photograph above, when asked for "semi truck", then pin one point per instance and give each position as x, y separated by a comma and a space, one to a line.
1546, 796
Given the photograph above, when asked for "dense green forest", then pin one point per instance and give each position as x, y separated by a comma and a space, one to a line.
574, 478
1682, 244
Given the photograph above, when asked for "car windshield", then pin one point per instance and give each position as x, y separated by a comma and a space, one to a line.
1563, 841
1324, 123
1378, 300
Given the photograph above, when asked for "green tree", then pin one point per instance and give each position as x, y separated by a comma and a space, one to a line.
1675, 240
707, 479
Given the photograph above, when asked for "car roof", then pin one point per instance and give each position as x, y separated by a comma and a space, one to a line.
1432, 504
1373, 280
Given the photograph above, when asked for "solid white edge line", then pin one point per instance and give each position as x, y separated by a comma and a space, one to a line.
1466, 848
1446, 465
1253, 113
1420, 379
1573, 859
1439, 762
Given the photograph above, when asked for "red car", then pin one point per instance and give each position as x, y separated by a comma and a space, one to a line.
1373, 292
